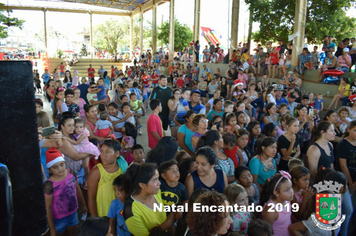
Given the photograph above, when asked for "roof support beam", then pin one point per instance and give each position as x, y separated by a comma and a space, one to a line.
5, 7
146, 6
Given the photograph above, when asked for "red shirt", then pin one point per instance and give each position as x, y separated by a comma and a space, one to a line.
61, 67
232, 155
180, 83
92, 70
154, 124
154, 77
146, 80
274, 58
112, 73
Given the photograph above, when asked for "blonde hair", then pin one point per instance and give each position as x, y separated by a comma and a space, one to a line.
83, 80
233, 191
294, 162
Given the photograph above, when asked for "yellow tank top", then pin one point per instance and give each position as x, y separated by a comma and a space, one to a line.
105, 193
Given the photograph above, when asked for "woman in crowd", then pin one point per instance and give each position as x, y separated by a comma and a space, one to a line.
165, 150
320, 152
200, 121
305, 128
263, 165
330, 64
214, 140
212, 223
334, 119
206, 175
173, 103
142, 191
185, 133
80, 102
91, 115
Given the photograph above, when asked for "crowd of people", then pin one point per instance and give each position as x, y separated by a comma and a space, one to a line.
234, 140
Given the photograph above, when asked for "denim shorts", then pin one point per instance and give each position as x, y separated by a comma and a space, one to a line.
172, 123
63, 223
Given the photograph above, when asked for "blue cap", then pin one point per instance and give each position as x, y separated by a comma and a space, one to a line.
196, 91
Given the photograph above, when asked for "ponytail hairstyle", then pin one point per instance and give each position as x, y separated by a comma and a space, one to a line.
298, 172
352, 125
272, 184
264, 142
316, 133
229, 139
289, 120
268, 129
137, 174
55, 100
46, 87
208, 139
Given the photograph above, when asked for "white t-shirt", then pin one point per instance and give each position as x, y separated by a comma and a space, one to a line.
271, 99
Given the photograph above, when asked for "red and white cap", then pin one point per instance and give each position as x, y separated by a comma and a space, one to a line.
352, 98
53, 156
238, 82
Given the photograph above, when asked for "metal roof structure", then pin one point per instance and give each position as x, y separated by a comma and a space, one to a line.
133, 6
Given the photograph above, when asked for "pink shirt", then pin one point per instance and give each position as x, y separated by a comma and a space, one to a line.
244, 78
342, 61
280, 226
64, 201
154, 124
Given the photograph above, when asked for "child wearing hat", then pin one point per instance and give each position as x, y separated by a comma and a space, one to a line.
61, 195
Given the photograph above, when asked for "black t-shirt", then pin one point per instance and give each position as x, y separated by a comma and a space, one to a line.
283, 143
73, 108
346, 150
175, 195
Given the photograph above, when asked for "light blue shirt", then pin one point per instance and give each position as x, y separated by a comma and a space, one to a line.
188, 136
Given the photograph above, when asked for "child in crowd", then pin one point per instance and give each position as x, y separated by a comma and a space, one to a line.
81, 135
318, 103
128, 141
72, 107
182, 155
277, 189
104, 126
154, 124
293, 162
236, 195
126, 109
238, 93
241, 119
123, 98
127, 91
117, 221
260, 227
244, 177
232, 150
242, 137
39, 105
100, 91
302, 191
100, 190
170, 185
231, 124
180, 82
59, 105
137, 108
344, 114
62, 193
138, 154
254, 130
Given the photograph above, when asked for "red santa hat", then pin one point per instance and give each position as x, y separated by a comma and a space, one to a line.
53, 156
352, 98
238, 82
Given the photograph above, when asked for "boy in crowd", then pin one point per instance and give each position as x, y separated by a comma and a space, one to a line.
138, 154
154, 124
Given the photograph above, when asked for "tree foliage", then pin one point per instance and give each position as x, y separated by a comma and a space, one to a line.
6, 21
183, 35
323, 17
107, 36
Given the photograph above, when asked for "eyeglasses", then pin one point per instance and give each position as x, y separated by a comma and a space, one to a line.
204, 120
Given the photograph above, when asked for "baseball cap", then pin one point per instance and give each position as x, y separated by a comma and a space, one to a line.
195, 91
292, 95
305, 96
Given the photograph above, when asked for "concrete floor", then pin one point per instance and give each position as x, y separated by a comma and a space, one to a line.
141, 139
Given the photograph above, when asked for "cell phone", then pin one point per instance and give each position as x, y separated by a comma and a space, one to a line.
311, 111
218, 124
47, 131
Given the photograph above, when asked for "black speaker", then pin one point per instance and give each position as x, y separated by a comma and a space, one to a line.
19, 150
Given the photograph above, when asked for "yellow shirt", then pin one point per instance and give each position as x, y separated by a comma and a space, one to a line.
245, 56
347, 87
140, 219
106, 192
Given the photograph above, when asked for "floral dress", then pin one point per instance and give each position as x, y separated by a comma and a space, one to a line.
240, 222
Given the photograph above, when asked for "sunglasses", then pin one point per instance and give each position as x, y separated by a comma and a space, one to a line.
94, 87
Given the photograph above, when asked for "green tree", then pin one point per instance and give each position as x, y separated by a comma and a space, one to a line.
83, 50
109, 36
323, 17
183, 35
6, 21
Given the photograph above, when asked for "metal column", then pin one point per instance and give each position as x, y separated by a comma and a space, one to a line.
154, 26
141, 32
196, 23
45, 27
